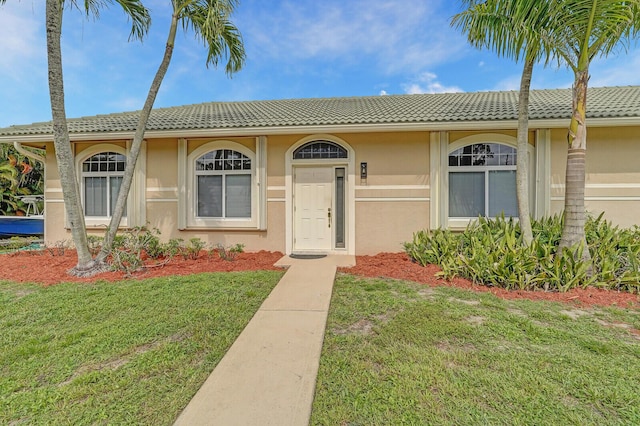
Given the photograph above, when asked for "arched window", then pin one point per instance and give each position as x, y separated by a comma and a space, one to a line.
482, 181
319, 150
223, 185
102, 175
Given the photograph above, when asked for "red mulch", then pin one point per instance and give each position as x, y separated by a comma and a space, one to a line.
48, 269
398, 265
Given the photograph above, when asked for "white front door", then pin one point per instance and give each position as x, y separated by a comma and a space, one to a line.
312, 192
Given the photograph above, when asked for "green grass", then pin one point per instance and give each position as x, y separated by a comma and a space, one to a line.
395, 352
400, 353
132, 352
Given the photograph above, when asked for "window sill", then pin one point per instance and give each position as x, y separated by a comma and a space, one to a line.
103, 222
461, 223
222, 223
222, 228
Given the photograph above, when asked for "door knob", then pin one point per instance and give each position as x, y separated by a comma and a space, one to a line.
329, 216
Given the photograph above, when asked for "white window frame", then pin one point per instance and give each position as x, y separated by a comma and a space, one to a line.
480, 169
100, 221
439, 154
193, 221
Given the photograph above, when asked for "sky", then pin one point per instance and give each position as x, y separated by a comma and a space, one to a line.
295, 49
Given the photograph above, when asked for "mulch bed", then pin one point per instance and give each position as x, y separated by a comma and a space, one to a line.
398, 265
49, 269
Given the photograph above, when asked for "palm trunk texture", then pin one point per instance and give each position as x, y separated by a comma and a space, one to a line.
134, 151
522, 169
62, 143
574, 207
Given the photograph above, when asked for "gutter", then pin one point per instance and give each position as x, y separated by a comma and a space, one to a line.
37, 157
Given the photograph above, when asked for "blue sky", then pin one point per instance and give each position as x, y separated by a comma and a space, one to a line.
295, 49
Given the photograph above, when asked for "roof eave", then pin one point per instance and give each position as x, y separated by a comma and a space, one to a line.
331, 128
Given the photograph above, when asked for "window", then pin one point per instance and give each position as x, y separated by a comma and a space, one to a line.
482, 181
319, 150
102, 177
223, 185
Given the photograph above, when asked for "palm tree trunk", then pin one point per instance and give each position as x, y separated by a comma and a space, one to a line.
61, 141
132, 156
574, 208
522, 169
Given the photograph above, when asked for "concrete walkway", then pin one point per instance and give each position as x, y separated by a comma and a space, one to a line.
268, 376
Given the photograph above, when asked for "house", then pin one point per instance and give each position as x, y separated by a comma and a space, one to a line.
343, 175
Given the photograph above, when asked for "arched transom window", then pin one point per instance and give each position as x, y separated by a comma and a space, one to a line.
223, 184
101, 177
482, 181
319, 150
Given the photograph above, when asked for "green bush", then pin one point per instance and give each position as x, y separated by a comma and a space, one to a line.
173, 247
228, 253
490, 252
192, 249
129, 248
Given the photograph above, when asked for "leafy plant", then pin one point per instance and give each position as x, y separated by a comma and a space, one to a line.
131, 247
229, 253
172, 247
19, 176
57, 248
490, 252
193, 248
94, 242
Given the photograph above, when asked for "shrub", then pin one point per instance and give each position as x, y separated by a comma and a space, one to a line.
130, 247
192, 249
229, 253
173, 247
95, 243
490, 252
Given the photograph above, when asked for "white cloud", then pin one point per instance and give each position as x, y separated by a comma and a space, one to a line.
511, 82
22, 37
406, 37
428, 83
616, 70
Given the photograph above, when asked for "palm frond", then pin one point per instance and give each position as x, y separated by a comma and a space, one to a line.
134, 9
211, 22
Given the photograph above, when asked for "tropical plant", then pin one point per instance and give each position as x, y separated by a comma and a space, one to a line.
512, 28
210, 21
140, 19
580, 31
19, 176
490, 252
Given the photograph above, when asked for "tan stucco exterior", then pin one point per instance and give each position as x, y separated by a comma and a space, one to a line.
398, 197
612, 173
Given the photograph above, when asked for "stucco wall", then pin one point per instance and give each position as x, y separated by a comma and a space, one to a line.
612, 173
393, 201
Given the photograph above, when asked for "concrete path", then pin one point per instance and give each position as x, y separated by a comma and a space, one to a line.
268, 376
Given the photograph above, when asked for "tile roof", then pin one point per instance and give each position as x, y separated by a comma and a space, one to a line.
603, 102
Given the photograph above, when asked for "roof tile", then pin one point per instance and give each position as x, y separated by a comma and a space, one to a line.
604, 102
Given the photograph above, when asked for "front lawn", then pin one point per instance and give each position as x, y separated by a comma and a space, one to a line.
131, 352
397, 352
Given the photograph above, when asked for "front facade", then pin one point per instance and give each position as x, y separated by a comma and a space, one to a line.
346, 175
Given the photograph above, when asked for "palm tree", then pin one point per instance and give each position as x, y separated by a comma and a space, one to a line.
513, 29
139, 16
209, 19
582, 30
